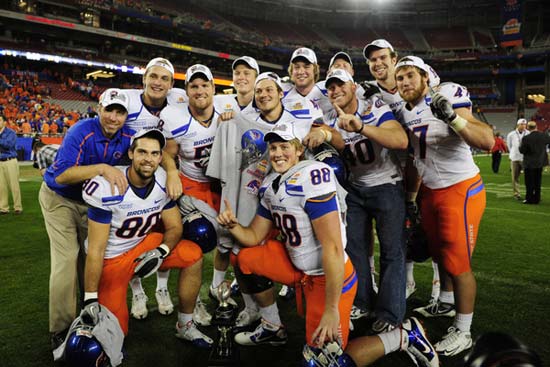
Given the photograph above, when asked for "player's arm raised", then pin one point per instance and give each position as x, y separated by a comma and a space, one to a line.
474, 132
247, 236
390, 134
327, 231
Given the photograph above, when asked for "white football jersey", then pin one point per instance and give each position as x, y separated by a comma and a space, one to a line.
228, 103
307, 180
442, 157
370, 163
140, 117
303, 107
132, 216
193, 137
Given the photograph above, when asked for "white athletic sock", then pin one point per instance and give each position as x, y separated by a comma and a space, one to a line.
463, 321
271, 314
218, 278
135, 284
392, 340
249, 301
436, 283
409, 265
162, 279
447, 297
184, 318
371, 263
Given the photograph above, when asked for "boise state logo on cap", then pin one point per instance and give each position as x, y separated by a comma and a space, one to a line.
163, 63
247, 60
339, 74
306, 53
196, 70
114, 96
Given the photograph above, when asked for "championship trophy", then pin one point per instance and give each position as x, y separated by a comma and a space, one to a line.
224, 351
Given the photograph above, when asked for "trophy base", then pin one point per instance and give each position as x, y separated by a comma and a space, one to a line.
220, 358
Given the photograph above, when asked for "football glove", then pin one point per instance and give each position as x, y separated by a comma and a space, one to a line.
442, 108
90, 313
149, 262
370, 89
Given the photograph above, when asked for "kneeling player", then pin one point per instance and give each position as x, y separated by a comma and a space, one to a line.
120, 245
300, 199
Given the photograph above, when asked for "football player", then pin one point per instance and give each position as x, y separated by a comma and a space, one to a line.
193, 127
300, 199
144, 107
239, 159
245, 70
442, 129
120, 244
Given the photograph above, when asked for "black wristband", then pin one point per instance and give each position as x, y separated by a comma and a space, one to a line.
361, 129
89, 301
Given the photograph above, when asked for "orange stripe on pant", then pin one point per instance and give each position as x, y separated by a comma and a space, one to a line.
450, 218
118, 271
202, 191
271, 260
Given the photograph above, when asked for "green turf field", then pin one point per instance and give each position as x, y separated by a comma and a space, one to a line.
511, 263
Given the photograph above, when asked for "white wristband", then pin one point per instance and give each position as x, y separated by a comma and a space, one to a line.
458, 123
90, 295
328, 135
165, 248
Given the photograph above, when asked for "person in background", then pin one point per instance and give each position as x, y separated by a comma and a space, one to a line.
496, 152
9, 170
533, 147
513, 141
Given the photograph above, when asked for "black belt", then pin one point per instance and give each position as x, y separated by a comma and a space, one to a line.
6, 159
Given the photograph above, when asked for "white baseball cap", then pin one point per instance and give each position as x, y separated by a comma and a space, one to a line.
152, 133
198, 69
247, 60
522, 122
282, 131
339, 74
412, 61
269, 76
162, 62
433, 78
340, 55
376, 44
306, 53
113, 96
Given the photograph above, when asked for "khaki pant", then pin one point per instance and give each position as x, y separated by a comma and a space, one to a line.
9, 177
516, 167
67, 226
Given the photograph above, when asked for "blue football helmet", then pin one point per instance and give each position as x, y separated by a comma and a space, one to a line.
83, 350
330, 355
197, 228
327, 154
253, 147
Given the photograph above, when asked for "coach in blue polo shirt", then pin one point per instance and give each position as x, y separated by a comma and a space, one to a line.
91, 147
